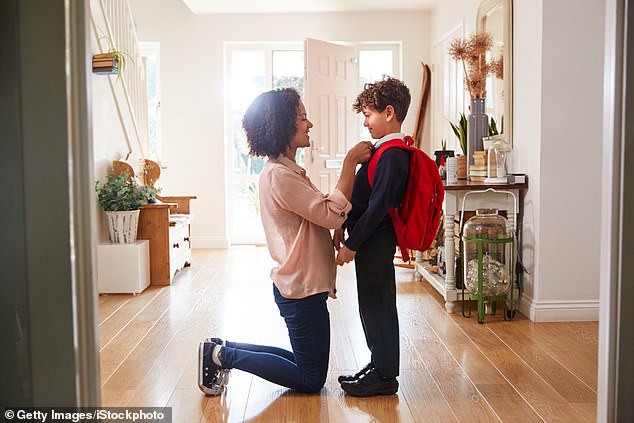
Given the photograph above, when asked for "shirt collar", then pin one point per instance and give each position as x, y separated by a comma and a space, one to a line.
291, 164
388, 137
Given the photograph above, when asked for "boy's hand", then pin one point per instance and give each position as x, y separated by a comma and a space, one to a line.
345, 255
360, 153
338, 238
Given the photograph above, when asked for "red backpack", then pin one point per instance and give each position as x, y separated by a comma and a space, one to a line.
416, 220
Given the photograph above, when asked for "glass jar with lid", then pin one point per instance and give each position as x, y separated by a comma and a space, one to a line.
488, 254
498, 160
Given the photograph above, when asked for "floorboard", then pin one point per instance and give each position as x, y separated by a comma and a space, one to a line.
452, 368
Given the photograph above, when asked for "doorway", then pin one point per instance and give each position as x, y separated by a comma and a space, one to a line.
253, 68
250, 70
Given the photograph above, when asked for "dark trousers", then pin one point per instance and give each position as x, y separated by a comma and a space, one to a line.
376, 288
305, 368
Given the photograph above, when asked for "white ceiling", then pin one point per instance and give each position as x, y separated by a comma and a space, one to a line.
287, 6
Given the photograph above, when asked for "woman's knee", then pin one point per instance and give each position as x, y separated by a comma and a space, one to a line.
312, 388
314, 385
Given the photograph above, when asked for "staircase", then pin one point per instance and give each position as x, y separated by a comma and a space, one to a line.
113, 27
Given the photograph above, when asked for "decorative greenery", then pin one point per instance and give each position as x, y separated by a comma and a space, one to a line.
122, 193
119, 56
460, 130
493, 127
443, 144
251, 192
296, 82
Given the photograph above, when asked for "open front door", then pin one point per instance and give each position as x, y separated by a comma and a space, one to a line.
330, 88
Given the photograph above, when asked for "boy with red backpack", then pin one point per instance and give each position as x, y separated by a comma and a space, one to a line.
380, 189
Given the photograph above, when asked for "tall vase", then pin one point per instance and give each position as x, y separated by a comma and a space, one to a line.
477, 128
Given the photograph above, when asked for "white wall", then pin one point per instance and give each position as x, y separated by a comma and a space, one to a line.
570, 157
449, 13
527, 110
108, 135
192, 85
557, 118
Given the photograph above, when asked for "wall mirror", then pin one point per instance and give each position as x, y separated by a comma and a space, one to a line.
496, 17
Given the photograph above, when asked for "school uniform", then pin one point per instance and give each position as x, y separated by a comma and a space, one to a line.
371, 235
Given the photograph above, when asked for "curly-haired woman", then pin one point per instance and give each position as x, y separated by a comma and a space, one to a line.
296, 218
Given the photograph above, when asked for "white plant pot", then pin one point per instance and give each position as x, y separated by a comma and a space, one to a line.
122, 226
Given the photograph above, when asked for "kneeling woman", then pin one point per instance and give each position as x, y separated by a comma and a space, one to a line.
296, 218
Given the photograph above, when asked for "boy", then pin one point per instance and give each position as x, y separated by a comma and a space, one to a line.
371, 238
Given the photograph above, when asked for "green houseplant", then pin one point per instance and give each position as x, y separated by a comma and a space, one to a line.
493, 127
460, 130
121, 198
111, 62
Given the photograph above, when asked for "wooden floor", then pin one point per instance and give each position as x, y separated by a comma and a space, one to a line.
452, 368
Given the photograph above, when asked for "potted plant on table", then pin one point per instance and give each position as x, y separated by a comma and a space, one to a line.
122, 198
460, 130
443, 153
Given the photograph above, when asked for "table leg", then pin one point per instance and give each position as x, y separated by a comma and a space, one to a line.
418, 258
450, 257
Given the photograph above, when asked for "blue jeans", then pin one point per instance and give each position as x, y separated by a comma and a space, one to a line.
304, 369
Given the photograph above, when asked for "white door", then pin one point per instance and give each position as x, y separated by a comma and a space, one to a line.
331, 84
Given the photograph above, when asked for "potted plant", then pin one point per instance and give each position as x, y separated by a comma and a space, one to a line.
460, 130
441, 157
111, 62
121, 198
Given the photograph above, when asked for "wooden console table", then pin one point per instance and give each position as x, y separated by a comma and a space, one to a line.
167, 226
454, 194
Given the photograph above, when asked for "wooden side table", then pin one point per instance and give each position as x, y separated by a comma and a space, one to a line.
454, 194
170, 244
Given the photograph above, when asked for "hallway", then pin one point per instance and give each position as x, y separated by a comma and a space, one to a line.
452, 369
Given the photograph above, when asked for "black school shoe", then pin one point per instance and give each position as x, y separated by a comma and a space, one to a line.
357, 375
212, 378
371, 384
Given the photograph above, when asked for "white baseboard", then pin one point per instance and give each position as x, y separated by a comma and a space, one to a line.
560, 311
209, 242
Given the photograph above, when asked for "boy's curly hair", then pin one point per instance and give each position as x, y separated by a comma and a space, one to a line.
270, 122
380, 94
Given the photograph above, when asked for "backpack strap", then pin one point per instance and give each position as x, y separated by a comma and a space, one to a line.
397, 222
394, 143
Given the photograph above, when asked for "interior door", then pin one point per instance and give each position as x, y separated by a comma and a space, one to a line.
331, 81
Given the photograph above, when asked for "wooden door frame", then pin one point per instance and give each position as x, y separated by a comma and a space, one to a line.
49, 302
615, 384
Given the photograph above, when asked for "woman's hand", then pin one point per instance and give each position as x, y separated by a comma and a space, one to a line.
360, 153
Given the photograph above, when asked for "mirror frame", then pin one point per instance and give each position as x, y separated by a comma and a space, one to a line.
481, 18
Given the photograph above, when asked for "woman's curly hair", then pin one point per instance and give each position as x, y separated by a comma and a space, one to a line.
270, 122
380, 94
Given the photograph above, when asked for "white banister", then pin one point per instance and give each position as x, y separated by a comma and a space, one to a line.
120, 33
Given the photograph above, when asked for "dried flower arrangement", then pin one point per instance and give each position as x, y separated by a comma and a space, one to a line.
497, 67
472, 52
